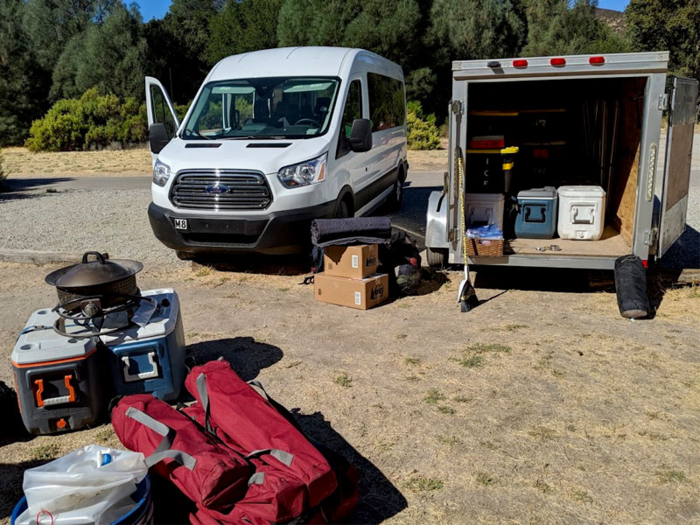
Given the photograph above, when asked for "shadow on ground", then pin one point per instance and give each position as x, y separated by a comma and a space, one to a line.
685, 253
16, 189
12, 476
247, 356
379, 498
298, 264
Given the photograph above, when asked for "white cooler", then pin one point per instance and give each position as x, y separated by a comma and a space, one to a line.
581, 212
484, 208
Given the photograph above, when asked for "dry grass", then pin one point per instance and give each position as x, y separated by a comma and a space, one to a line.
575, 416
24, 164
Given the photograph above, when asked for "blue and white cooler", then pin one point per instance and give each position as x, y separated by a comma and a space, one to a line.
150, 358
537, 213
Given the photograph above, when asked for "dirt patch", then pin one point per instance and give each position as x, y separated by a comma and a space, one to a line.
536, 406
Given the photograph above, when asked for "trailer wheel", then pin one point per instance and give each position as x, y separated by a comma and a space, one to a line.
437, 257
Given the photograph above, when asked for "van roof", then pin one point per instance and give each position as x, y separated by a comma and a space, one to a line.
297, 61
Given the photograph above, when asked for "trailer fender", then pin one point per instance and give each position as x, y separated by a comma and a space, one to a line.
436, 227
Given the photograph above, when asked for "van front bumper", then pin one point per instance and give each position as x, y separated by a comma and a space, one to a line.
274, 233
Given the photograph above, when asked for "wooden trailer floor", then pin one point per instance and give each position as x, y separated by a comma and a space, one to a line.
610, 244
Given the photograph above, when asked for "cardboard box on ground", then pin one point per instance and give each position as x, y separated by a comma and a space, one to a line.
354, 262
355, 293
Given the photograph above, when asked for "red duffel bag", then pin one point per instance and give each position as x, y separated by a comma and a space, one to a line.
207, 472
256, 427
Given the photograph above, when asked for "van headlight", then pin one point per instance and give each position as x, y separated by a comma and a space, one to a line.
304, 173
161, 173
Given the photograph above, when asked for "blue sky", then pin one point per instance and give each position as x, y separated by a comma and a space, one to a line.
158, 8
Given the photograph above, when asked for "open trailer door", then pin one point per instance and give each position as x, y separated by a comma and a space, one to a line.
162, 119
679, 149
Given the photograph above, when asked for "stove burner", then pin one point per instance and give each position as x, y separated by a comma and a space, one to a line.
93, 320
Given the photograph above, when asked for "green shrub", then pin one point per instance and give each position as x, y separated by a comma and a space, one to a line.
422, 131
93, 121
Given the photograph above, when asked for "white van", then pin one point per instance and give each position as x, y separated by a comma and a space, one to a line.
273, 140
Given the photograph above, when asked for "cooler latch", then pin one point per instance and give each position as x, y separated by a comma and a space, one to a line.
130, 378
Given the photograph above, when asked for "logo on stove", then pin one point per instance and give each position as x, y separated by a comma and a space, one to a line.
217, 189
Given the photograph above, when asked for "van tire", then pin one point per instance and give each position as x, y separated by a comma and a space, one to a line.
185, 256
395, 200
344, 209
436, 257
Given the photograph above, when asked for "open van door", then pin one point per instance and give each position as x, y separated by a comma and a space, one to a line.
679, 148
160, 111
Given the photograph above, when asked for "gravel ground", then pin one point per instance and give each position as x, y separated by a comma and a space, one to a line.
115, 221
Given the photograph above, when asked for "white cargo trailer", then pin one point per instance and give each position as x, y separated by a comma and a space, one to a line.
583, 120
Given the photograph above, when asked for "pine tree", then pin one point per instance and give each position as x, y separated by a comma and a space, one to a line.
242, 26
561, 27
668, 25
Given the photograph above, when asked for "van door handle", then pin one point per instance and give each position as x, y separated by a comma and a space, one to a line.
130, 378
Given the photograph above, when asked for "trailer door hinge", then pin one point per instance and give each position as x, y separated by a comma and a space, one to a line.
663, 102
650, 236
457, 107
451, 234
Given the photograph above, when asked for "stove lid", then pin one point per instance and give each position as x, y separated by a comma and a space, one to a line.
97, 272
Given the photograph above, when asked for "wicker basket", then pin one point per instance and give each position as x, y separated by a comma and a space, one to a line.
485, 247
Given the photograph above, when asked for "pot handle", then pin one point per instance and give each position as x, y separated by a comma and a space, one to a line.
100, 257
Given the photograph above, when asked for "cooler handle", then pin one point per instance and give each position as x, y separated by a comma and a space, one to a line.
130, 378
586, 215
41, 402
533, 217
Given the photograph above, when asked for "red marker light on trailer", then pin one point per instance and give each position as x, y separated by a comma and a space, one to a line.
520, 63
558, 61
596, 60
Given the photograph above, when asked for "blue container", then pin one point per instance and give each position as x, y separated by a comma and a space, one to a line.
537, 213
151, 358
141, 514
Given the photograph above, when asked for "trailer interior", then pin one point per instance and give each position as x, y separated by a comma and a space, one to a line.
568, 132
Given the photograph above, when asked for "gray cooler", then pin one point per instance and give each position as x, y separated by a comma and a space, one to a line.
57, 378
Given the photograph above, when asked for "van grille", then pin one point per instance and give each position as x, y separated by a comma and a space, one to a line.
221, 190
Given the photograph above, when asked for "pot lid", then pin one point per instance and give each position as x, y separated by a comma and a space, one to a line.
100, 271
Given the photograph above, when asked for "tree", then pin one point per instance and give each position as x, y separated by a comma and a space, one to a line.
177, 46
22, 85
51, 24
394, 29
242, 26
668, 25
471, 29
559, 27
110, 57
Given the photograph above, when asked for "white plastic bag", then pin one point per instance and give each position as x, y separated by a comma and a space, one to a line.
89, 485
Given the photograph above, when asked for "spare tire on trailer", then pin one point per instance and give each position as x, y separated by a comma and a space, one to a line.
631, 287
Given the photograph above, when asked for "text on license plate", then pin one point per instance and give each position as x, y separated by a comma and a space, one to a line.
180, 224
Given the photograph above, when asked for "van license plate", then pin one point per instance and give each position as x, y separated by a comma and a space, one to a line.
180, 224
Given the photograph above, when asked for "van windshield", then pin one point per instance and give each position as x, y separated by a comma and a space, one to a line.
262, 108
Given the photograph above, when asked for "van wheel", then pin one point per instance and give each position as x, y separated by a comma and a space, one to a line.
343, 210
185, 256
396, 198
437, 257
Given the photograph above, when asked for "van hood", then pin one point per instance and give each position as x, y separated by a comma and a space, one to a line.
267, 156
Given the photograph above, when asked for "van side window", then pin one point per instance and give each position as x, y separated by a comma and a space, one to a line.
352, 111
387, 104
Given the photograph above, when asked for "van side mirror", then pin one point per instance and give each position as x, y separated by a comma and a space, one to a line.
361, 135
157, 137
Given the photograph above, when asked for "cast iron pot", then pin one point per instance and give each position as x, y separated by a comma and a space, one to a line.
111, 280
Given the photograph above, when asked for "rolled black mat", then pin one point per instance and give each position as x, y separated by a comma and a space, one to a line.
356, 230
631, 287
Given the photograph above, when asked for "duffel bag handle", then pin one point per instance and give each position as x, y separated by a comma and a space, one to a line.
163, 450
